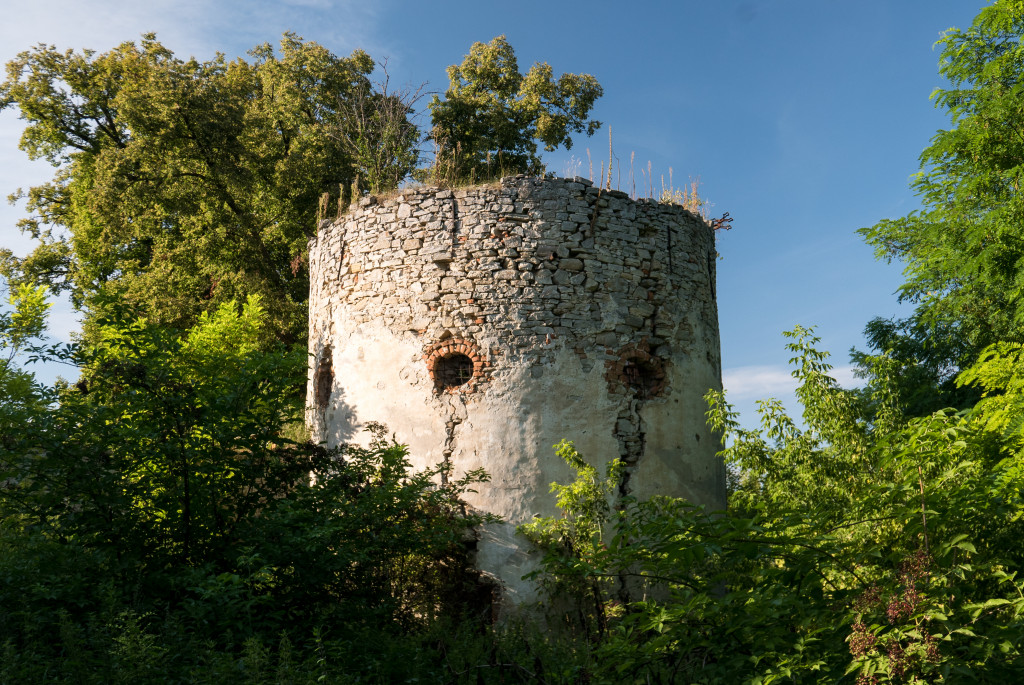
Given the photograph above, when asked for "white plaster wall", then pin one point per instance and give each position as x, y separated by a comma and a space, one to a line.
678, 441
379, 299
511, 429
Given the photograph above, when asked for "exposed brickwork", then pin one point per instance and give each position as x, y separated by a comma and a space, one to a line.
636, 371
434, 354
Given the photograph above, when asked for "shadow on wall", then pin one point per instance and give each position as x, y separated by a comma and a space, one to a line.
329, 405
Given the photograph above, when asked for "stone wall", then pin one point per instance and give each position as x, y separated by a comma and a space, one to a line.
483, 325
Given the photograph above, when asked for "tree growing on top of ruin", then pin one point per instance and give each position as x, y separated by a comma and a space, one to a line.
493, 117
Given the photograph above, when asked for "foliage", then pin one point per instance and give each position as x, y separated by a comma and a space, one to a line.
493, 117
158, 508
881, 552
687, 197
921, 363
380, 135
963, 251
998, 374
21, 330
575, 542
157, 525
588, 498
880, 539
183, 184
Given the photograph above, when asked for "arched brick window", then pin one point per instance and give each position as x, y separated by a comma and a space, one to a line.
455, 365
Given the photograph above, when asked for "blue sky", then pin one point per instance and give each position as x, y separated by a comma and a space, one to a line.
803, 119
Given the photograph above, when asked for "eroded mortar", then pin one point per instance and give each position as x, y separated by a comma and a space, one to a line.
484, 325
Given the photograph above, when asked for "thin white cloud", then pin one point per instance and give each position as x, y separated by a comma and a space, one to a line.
318, 4
757, 382
191, 27
762, 382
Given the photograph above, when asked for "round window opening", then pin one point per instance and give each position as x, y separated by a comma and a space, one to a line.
452, 371
643, 378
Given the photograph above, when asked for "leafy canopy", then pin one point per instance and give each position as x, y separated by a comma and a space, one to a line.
184, 184
963, 252
493, 117
22, 327
850, 552
165, 484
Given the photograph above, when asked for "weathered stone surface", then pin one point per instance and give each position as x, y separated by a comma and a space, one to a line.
600, 331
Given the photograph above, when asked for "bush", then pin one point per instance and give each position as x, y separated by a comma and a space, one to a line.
880, 552
156, 522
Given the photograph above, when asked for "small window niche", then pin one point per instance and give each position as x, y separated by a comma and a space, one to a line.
324, 379
455, 365
636, 373
452, 371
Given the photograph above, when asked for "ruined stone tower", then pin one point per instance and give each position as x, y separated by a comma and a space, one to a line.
483, 325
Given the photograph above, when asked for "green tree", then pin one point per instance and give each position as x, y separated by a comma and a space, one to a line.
21, 330
849, 553
168, 440
164, 483
928, 358
184, 184
380, 134
493, 117
963, 251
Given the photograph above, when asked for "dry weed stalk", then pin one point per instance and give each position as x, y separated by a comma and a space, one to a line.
608, 185
632, 179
